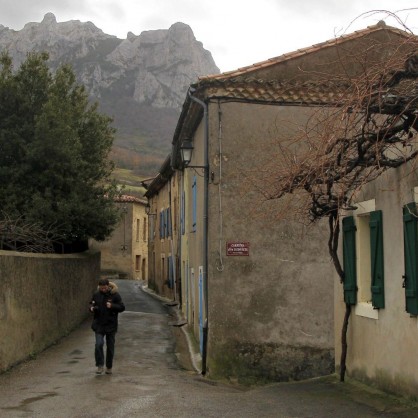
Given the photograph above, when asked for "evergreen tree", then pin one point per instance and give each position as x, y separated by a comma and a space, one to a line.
54, 146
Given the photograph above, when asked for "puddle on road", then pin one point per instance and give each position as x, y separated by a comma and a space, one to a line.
26, 402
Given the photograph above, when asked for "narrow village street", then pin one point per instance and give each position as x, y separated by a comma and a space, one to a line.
148, 380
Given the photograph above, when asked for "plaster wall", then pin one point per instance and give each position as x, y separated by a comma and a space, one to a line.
161, 248
192, 241
382, 347
120, 250
42, 298
344, 59
139, 243
117, 249
270, 313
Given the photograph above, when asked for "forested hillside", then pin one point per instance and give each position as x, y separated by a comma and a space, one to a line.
140, 81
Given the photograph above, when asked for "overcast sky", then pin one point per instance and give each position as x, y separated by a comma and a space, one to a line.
236, 32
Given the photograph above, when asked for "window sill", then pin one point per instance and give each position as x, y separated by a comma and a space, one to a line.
366, 310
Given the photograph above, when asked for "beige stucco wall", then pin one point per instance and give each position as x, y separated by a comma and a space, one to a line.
382, 347
42, 298
339, 61
120, 250
139, 244
192, 241
271, 313
160, 249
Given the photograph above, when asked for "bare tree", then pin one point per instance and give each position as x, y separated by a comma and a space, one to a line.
19, 235
369, 127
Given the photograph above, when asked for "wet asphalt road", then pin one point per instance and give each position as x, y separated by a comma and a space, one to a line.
148, 381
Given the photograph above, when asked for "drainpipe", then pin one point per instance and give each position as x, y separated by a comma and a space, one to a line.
205, 226
173, 258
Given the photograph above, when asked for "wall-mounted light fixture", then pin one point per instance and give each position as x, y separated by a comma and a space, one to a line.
148, 210
186, 150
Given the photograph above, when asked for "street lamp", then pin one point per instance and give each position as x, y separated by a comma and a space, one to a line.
186, 150
148, 210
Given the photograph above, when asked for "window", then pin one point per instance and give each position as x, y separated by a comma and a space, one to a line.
175, 214
137, 262
137, 229
168, 229
163, 269
144, 230
151, 227
161, 224
170, 272
363, 259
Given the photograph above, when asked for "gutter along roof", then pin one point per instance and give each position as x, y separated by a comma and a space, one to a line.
242, 86
166, 171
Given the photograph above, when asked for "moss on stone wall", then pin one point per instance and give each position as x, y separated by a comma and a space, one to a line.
262, 363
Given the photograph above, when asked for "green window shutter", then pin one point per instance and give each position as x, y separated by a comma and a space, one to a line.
349, 261
376, 255
411, 257
194, 204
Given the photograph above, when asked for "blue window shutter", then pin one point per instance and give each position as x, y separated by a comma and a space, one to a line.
194, 196
169, 231
182, 211
165, 223
376, 254
349, 260
170, 272
411, 257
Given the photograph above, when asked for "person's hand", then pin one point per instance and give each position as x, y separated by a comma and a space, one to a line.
108, 304
91, 308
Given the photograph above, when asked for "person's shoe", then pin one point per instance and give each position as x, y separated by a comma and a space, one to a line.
108, 371
99, 370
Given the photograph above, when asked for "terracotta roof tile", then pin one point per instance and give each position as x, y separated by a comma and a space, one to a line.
275, 92
124, 198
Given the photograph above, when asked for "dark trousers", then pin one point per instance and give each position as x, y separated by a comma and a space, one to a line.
110, 349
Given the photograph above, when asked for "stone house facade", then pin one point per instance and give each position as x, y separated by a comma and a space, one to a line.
125, 252
255, 288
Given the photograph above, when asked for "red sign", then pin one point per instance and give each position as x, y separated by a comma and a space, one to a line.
238, 248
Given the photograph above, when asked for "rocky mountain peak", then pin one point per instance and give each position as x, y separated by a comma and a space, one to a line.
140, 81
49, 19
155, 67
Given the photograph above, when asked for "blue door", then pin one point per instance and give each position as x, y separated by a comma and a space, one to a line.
201, 309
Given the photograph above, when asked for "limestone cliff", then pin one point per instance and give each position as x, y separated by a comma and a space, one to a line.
140, 81
154, 68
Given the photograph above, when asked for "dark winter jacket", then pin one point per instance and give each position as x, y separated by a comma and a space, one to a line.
106, 319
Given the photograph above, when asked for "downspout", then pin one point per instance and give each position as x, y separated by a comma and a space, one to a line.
173, 261
205, 226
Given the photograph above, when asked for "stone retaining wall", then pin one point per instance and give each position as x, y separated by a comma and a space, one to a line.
42, 298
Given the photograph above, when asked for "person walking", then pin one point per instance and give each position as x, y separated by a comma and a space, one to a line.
105, 304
